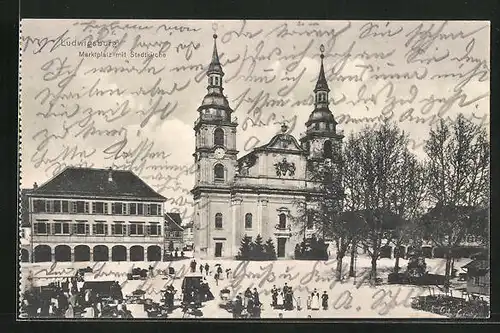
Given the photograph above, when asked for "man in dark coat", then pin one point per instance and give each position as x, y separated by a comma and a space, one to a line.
65, 286
256, 299
324, 300
237, 306
274, 295
207, 268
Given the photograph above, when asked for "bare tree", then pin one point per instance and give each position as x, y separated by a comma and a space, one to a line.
458, 188
382, 156
353, 192
407, 201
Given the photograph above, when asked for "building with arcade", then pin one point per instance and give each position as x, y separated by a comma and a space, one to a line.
85, 214
259, 193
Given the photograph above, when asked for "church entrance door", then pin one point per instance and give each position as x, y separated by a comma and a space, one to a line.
218, 250
281, 247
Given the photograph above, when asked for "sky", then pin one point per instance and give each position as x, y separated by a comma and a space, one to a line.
110, 105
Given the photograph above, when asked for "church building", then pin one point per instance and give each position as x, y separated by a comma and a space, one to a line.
259, 193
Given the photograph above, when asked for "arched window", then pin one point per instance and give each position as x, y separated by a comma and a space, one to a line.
219, 137
282, 223
316, 126
248, 221
327, 149
219, 172
218, 221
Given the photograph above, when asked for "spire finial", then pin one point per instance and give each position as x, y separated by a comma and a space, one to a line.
214, 28
215, 67
322, 84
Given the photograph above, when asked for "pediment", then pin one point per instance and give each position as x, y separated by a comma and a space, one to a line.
283, 142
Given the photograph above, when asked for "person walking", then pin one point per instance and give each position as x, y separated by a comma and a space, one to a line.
207, 269
201, 269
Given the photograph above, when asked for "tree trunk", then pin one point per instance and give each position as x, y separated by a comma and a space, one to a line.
447, 272
353, 254
396, 263
338, 276
373, 272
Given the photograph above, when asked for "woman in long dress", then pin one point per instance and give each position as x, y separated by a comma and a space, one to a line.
279, 303
315, 300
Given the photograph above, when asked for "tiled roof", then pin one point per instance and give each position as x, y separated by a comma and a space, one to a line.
173, 222
95, 183
24, 208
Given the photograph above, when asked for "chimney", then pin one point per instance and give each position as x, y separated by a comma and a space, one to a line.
110, 175
35, 185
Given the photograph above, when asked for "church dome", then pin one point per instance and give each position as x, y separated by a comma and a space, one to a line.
216, 101
321, 115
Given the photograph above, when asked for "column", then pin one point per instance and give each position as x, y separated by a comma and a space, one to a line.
235, 225
208, 220
128, 253
264, 219
258, 220
72, 254
53, 253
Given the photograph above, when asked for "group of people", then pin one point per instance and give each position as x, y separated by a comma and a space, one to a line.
205, 270
66, 300
249, 304
313, 300
283, 298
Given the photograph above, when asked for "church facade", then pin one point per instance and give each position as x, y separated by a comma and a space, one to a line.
261, 192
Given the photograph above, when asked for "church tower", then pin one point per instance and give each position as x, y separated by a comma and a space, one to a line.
215, 157
321, 139
215, 132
